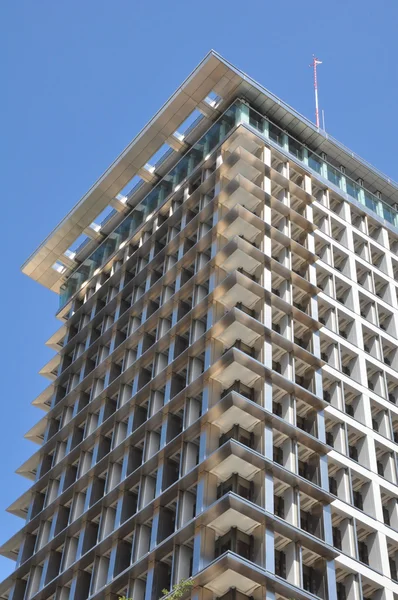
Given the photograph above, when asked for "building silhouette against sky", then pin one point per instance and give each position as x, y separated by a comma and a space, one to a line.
222, 402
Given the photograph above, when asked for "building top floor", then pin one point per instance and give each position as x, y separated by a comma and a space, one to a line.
208, 95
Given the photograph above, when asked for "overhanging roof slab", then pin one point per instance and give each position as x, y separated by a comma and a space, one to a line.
213, 74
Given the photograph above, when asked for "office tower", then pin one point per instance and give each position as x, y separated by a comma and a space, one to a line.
223, 399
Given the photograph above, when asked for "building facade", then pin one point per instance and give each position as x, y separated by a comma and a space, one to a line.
223, 402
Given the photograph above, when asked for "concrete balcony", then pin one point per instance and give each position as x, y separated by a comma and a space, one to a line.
231, 510
237, 325
234, 458
243, 138
50, 369
240, 221
238, 289
241, 190
243, 162
239, 254
237, 366
232, 571
234, 463
234, 414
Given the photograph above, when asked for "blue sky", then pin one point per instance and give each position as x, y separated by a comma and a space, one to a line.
80, 79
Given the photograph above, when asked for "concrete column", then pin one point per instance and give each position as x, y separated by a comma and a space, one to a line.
268, 501
18, 590
327, 524
208, 441
268, 441
289, 455
291, 507
347, 537
352, 587
69, 553
136, 589
292, 564
51, 567
378, 553
323, 471
203, 548
181, 564
267, 395
331, 580
142, 541
80, 586
269, 547
147, 490
206, 492
186, 507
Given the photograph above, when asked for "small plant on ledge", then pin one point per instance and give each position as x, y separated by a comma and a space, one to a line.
179, 589
177, 592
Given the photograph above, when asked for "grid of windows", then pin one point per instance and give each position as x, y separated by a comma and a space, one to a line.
223, 402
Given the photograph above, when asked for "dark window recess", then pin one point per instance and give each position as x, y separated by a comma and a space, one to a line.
246, 310
235, 541
308, 522
240, 388
329, 438
239, 345
239, 434
337, 538
333, 486
353, 452
310, 579
306, 424
279, 506
386, 516
341, 593
393, 569
280, 563
358, 500
363, 554
277, 409
237, 485
276, 366
308, 470
278, 455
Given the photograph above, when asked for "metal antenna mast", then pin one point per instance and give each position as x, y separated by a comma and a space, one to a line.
314, 64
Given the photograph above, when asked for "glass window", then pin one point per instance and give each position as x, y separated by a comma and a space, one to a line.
275, 134
389, 214
296, 148
352, 189
256, 120
370, 201
333, 175
314, 162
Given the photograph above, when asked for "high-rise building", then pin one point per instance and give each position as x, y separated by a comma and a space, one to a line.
223, 403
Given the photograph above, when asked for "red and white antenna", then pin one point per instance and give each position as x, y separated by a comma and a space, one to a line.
314, 64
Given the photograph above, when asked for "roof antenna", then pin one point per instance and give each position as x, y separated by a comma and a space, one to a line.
314, 64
